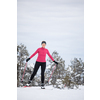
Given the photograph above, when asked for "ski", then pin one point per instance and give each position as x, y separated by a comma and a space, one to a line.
45, 89
37, 88
26, 86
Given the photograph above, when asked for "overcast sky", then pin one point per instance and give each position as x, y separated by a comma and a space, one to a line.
59, 22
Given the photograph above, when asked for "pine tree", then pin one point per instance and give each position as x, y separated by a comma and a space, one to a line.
74, 74
78, 69
58, 74
22, 54
27, 75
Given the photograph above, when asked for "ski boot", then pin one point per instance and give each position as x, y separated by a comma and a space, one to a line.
29, 82
42, 86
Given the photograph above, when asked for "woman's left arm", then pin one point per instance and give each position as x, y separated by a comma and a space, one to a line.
50, 55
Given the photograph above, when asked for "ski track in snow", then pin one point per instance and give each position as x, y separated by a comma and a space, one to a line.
50, 93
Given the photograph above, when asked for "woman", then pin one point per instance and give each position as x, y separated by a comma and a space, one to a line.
42, 51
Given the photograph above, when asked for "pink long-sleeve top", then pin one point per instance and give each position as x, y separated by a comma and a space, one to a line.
42, 54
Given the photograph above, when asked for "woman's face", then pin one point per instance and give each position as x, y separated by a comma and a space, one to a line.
43, 45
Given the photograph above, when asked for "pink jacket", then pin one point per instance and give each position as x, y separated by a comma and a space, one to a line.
41, 54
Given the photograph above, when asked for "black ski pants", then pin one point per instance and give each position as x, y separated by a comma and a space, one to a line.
36, 67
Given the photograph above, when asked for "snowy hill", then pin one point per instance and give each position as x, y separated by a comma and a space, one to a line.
50, 93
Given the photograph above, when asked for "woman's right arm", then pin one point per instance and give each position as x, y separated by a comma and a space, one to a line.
32, 55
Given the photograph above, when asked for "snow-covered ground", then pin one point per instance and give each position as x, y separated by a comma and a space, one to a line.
50, 93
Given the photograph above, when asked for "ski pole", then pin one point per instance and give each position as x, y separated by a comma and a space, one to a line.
24, 71
64, 85
52, 73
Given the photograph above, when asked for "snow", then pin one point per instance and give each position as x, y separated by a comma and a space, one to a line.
77, 75
49, 66
50, 93
31, 65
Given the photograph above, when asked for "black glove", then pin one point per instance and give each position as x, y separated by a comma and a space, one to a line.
55, 62
27, 59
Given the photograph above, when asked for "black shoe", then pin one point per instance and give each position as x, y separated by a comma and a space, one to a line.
29, 82
42, 86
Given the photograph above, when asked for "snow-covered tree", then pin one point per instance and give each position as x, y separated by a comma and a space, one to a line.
78, 71
59, 70
74, 73
28, 72
22, 54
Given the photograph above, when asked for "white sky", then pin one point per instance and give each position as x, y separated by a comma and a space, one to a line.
59, 22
